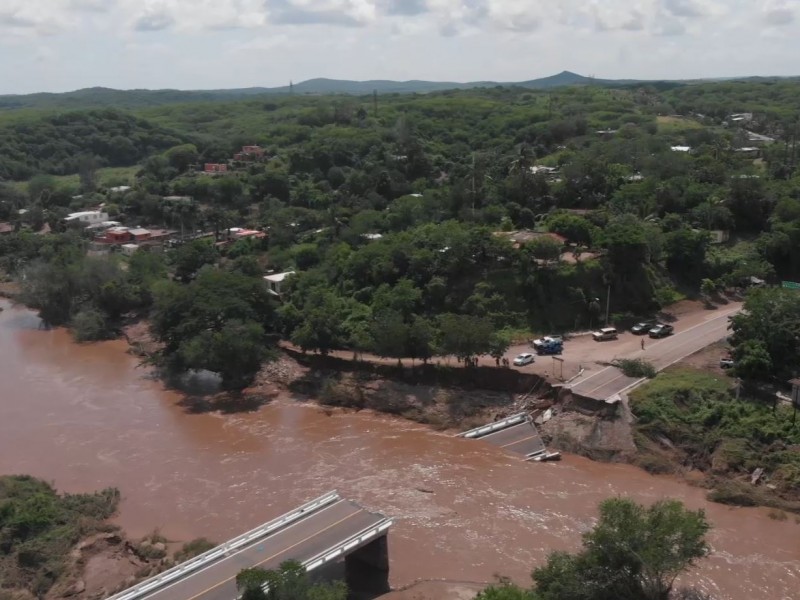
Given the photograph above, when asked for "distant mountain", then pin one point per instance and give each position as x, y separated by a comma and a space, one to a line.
105, 97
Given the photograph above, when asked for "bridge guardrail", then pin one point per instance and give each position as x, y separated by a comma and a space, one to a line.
178, 571
502, 424
350, 543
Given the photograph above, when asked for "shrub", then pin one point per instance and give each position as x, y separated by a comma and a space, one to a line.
193, 548
90, 325
636, 367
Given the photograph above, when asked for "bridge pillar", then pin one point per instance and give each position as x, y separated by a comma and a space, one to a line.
367, 569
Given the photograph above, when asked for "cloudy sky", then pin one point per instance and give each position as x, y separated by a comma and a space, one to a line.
59, 45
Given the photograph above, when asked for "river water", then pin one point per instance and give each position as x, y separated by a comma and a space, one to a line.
86, 417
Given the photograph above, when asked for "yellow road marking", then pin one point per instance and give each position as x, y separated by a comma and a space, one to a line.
276, 554
520, 441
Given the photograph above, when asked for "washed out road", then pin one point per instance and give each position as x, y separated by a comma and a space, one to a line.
661, 353
301, 540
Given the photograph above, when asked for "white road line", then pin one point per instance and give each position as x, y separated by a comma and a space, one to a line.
243, 549
711, 321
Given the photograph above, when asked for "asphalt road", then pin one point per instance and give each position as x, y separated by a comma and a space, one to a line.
301, 541
522, 438
661, 353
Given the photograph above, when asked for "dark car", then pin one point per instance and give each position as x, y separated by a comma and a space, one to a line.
661, 330
643, 327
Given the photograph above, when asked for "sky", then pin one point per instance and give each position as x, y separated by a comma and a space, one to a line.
61, 45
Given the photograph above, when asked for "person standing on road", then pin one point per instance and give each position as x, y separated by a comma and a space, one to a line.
642, 343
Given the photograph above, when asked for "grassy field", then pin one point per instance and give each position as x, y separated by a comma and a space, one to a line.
691, 418
110, 176
673, 124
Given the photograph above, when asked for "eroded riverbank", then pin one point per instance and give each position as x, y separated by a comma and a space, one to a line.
86, 417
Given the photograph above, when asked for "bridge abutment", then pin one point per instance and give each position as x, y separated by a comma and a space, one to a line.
367, 569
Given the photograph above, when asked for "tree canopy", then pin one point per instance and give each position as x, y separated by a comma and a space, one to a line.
634, 552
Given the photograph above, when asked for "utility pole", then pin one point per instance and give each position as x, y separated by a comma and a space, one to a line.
473, 184
608, 304
291, 87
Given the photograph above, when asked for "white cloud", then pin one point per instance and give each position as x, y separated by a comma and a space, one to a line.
275, 40
779, 12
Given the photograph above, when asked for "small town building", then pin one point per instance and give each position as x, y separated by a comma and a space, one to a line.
6, 228
249, 153
117, 235
522, 237
140, 234
86, 217
681, 148
215, 168
240, 233
275, 282
759, 139
129, 249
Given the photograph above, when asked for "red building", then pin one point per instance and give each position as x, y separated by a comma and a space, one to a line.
215, 168
249, 153
117, 235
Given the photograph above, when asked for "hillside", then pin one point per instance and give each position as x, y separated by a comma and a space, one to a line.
101, 97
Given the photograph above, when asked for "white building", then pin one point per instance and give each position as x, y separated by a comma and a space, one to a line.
275, 281
681, 148
87, 217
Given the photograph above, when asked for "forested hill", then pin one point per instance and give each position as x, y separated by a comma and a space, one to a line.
101, 97
58, 143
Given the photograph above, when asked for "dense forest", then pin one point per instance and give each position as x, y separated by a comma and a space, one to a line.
450, 222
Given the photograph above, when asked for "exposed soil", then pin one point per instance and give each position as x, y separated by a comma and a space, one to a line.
8, 289
104, 564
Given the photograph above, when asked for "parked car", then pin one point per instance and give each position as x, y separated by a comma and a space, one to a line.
547, 340
643, 327
661, 330
550, 347
606, 333
523, 359
726, 362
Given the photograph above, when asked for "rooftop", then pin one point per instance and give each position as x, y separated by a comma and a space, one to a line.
524, 236
278, 277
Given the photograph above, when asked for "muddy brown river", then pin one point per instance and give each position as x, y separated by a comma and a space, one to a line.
86, 417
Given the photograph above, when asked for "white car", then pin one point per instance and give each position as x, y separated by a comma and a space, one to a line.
523, 359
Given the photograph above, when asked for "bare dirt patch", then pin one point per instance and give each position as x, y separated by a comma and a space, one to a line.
102, 565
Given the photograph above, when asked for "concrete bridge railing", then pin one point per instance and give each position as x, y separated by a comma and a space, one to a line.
145, 587
352, 543
496, 426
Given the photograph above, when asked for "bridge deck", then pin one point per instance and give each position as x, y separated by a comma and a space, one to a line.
522, 438
301, 540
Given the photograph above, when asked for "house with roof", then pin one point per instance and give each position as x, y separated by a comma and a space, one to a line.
86, 217
249, 153
276, 281
215, 168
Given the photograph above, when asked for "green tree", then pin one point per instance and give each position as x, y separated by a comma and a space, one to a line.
686, 251
235, 352
389, 334
191, 257
465, 336
218, 322
544, 248
90, 325
182, 157
289, 582
505, 590
321, 323
752, 360
633, 553
769, 323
